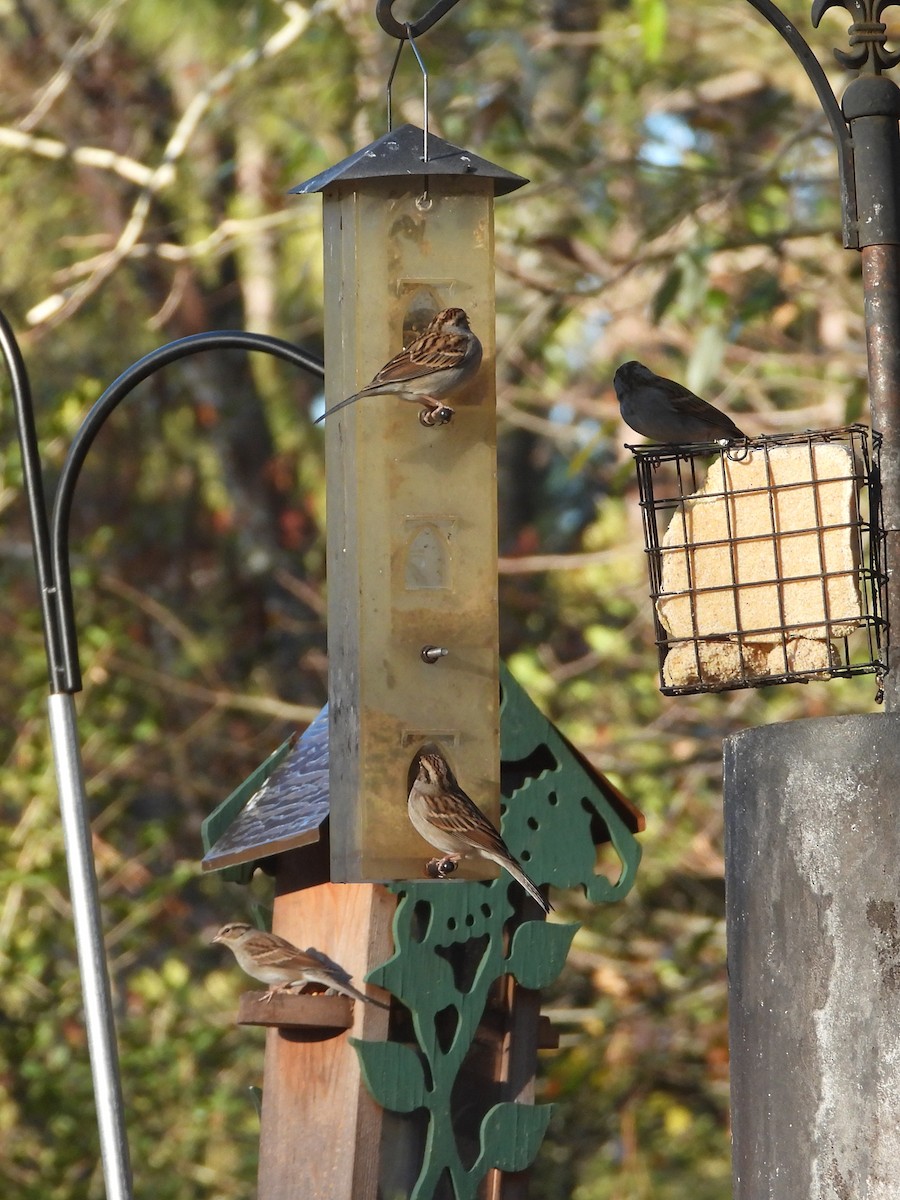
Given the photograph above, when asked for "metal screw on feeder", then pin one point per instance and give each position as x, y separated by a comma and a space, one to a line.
432, 654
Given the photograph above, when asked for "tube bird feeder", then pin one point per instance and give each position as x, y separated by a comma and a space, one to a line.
411, 509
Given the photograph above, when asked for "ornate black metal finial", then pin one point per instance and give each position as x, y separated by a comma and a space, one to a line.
867, 34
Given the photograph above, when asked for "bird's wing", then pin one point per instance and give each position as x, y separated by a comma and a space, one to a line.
463, 818
430, 353
425, 356
692, 406
329, 979
282, 954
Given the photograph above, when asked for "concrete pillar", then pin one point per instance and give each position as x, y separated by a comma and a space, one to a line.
812, 851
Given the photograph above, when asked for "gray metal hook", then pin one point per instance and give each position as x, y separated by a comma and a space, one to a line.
409, 37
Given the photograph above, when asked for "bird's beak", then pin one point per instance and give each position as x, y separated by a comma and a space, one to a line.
217, 938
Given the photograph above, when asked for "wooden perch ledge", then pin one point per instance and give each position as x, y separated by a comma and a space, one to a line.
290, 1010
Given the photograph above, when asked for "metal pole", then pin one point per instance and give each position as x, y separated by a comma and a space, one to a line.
871, 105
69, 673
51, 556
881, 291
812, 810
34, 494
98, 1015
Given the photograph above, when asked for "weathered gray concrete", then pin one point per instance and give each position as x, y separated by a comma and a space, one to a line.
812, 826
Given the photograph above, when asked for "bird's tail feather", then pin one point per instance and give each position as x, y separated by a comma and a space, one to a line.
344, 987
528, 884
337, 407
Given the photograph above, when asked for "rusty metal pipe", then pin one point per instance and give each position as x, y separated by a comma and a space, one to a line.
881, 290
871, 106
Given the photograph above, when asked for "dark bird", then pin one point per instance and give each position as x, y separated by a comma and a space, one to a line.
666, 411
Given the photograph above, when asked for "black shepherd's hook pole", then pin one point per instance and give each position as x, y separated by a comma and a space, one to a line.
51, 557
865, 129
220, 339
34, 493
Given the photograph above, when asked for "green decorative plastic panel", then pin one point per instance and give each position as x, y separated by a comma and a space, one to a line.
453, 943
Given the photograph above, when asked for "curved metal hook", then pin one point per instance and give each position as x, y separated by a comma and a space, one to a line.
402, 30
220, 339
34, 492
830, 106
50, 546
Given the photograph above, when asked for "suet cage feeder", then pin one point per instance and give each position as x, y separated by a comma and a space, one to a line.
766, 559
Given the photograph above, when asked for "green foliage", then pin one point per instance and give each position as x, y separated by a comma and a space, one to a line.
683, 210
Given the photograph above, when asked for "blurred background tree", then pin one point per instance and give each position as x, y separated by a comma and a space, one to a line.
683, 210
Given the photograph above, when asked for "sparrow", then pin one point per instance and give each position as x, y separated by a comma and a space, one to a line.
434, 364
666, 411
275, 960
451, 822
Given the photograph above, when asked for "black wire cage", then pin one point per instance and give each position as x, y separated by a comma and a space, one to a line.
766, 559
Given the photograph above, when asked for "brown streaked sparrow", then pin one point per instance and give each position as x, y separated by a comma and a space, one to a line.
666, 411
275, 960
446, 818
434, 364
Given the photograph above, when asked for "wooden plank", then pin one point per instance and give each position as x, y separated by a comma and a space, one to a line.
321, 1131
516, 1057
287, 1010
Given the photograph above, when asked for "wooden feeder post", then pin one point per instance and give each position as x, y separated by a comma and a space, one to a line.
411, 510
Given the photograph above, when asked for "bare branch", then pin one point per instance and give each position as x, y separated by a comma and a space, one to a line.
104, 23
219, 698
82, 156
55, 309
532, 564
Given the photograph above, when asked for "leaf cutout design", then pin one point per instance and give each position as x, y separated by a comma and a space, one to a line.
538, 952
451, 946
511, 1135
393, 1073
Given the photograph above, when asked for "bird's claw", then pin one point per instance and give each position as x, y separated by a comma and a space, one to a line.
441, 868
280, 989
441, 415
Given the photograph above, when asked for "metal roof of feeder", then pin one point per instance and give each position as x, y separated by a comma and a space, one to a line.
399, 153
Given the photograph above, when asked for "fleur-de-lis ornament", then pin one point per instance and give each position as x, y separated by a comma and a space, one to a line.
867, 34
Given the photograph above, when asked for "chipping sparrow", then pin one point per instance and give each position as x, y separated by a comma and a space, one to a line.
445, 816
666, 411
273, 959
434, 364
